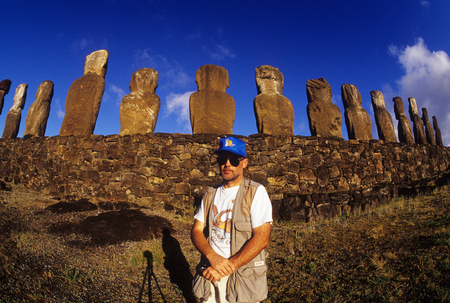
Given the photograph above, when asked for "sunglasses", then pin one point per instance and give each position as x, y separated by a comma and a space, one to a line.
234, 161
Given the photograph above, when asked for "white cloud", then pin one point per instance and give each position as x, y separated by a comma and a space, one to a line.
171, 71
178, 104
80, 44
59, 112
427, 79
114, 94
218, 49
425, 3
219, 52
302, 127
224, 51
194, 36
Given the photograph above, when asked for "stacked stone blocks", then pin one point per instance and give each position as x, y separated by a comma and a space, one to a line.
308, 178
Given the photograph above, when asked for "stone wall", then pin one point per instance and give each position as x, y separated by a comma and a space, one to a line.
308, 178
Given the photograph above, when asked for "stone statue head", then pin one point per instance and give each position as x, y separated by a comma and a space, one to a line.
350, 96
398, 107
20, 96
413, 106
377, 99
212, 77
5, 85
97, 63
425, 115
318, 90
435, 123
144, 79
45, 91
269, 80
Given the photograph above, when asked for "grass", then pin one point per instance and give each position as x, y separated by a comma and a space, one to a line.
398, 252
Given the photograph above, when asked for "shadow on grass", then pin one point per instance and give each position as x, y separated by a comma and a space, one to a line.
111, 227
114, 227
74, 206
177, 265
148, 276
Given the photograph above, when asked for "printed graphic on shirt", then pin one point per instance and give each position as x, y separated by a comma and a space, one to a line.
221, 229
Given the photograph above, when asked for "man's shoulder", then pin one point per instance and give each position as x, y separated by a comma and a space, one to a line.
252, 183
213, 188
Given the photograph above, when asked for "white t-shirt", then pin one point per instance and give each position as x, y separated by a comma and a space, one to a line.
260, 213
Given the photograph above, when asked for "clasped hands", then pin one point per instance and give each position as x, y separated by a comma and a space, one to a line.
220, 267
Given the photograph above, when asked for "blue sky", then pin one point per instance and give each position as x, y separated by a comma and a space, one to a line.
399, 47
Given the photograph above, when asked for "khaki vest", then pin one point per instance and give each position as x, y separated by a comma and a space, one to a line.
249, 282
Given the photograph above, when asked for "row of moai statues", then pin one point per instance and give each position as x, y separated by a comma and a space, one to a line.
325, 117
36, 121
81, 107
212, 110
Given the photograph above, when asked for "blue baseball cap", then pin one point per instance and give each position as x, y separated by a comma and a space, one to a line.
232, 145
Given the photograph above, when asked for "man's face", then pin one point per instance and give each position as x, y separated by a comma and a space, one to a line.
231, 167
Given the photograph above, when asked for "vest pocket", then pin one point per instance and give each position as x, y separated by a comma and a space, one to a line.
243, 233
201, 287
250, 284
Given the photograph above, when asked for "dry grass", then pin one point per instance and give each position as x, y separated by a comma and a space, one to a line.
398, 252
76, 252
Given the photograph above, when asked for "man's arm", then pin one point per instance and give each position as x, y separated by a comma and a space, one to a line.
222, 265
258, 241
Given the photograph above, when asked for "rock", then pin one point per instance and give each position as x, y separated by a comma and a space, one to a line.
139, 110
356, 117
419, 134
383, 119
36, 122
274, 112
212, 110
437, 131
85, 96
404, 128
428, 128
14, 116
325, 119
4, 90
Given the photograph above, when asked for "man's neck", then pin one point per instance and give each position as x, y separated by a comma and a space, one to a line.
234, 183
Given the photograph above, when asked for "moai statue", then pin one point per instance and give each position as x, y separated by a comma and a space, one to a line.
274, 112
212, 110
5, 85
139, 110
14, 116
84, 97
404, 127
419, 134
356, 117
37, 116
437, 131
428, 128
325, 119
383, 119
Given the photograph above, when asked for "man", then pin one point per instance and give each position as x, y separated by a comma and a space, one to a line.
231, 230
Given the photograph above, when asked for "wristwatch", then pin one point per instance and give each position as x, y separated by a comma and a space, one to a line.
201, 269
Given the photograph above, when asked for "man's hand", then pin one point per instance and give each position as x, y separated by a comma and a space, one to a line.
222, 265
211, 274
